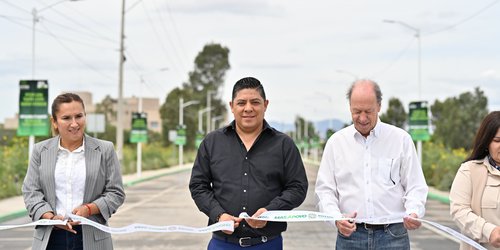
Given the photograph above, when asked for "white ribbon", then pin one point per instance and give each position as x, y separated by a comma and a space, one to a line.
276, 216
132, 228
301, 216
43, 222
293, 216
137, 227
454, 233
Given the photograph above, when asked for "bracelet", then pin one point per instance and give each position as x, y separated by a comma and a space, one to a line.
88, 207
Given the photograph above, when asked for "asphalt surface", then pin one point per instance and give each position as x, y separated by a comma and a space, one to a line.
166, 201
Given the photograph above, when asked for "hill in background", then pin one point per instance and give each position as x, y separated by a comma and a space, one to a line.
321, 126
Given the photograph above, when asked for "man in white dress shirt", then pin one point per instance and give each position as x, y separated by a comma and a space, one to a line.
370, 171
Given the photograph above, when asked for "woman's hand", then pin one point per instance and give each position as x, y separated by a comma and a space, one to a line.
495, 237
69, 225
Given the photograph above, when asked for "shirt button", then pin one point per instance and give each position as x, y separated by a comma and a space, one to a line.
244, 190
244, 208
243, 225
245, 173
246, 158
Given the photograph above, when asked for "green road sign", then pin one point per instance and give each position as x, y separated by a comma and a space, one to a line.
199, 138
181, 135
419, 121
139, 132
33, 103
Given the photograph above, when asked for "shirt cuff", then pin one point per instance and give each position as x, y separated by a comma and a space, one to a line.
214, 213
487, 229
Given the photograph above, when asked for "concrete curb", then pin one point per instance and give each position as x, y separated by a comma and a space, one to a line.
438, 197
24, 212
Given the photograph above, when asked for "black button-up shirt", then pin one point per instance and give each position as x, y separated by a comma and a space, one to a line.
228, 178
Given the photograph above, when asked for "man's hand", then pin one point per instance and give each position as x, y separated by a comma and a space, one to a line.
495, 237
410, 223
257, 223
347, 227
228, 217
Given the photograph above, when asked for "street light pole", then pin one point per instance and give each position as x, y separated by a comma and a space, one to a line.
119, 116
214, 119
183, 105
419, 71
418, 36
200, 117
209, 106
36, 18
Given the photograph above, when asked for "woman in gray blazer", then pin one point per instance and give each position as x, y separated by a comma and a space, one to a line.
72, 173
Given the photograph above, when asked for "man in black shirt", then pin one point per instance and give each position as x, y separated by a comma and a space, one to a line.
249, 167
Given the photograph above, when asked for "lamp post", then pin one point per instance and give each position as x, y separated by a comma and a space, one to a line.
183, 105
419, 70
417, 35
119, 110
209, 103
200, 117
214, 119
36, 18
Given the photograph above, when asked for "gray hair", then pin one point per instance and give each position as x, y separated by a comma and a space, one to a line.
376, 88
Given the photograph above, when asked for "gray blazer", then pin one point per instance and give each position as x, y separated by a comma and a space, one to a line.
103, 187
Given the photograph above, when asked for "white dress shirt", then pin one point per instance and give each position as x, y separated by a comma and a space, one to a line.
378, 176
70, 178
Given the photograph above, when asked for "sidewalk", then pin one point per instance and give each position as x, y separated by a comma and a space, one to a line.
13, 207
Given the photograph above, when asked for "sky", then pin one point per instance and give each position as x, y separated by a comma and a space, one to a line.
305, 53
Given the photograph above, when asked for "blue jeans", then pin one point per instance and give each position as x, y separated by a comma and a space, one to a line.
274, 244
391, 237
63, 240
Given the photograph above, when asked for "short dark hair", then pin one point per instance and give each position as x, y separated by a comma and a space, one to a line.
376, 88
64, 98
248, 83
484, 136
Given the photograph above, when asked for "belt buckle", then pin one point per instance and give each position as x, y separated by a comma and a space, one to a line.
242, 244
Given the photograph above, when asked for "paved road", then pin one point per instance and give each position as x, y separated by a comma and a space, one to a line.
166, 201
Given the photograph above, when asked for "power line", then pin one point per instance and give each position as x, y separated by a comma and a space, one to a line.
162, 24
76, 55
398, 56
100, 36
16, 7
162, 46
475, 14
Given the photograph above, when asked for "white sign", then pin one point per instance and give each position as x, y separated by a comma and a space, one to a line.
96, 123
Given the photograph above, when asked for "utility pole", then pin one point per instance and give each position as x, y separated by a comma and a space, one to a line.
209, 106
119, 119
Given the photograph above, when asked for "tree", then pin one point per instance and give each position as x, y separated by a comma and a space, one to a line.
457, 119
210, 67
395, 114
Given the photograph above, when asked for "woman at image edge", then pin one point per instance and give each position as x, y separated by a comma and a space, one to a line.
475, 192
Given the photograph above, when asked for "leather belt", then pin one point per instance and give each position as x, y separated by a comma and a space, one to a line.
245, 241
372, 226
